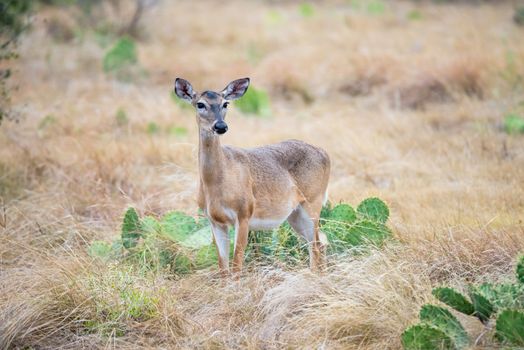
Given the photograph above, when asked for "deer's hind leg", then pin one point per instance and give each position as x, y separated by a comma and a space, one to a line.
305, 221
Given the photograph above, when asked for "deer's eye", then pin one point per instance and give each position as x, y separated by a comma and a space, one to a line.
225, 105
200, 105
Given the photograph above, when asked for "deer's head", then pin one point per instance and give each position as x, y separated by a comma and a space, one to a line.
211, 107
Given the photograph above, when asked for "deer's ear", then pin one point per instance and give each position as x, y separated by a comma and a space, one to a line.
184, 90
235, 89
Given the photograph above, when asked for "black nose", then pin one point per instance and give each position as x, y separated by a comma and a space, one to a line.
220, 127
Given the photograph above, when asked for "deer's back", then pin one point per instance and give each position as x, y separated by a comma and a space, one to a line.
305, 165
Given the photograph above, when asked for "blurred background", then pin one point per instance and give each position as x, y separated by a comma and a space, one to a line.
420, 103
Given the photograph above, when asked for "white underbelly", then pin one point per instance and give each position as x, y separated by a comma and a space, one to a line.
257, 224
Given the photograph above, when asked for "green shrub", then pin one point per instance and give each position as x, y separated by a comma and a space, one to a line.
152, 128
414, 15
514, 124
121, 117
121, 61
306, 10
177, 131
116, 299
254, 102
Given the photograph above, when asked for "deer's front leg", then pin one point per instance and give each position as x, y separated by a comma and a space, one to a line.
240, 245
221, 239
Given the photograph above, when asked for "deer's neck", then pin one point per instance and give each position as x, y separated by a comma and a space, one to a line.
210, 157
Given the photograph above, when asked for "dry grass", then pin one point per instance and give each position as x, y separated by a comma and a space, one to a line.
409, 110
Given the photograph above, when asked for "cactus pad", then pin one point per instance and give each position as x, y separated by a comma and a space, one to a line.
510, 327
131, 229
520, 269
425, 337
374, 209
178, 226
367, 232
454, 299
445, 321
343, 213
483, 307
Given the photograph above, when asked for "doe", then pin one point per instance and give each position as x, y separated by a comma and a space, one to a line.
257, 188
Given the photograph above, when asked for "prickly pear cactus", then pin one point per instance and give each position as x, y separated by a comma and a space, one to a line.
374, 209
445, 321
150, 225
503, 295
425, 337
520, 269
483, 307
510, 327
343, 213
131, 229
178, 226
367, 232
454, 299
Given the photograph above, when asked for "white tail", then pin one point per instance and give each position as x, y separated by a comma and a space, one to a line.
257, 188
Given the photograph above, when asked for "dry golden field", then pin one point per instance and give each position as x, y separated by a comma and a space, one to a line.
407, 97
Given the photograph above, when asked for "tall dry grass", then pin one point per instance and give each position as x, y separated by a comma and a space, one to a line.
409, 110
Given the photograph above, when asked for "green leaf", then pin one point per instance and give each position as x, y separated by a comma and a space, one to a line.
444, 320
510, 327
131, 229
425, 337
374, 209
454, 299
